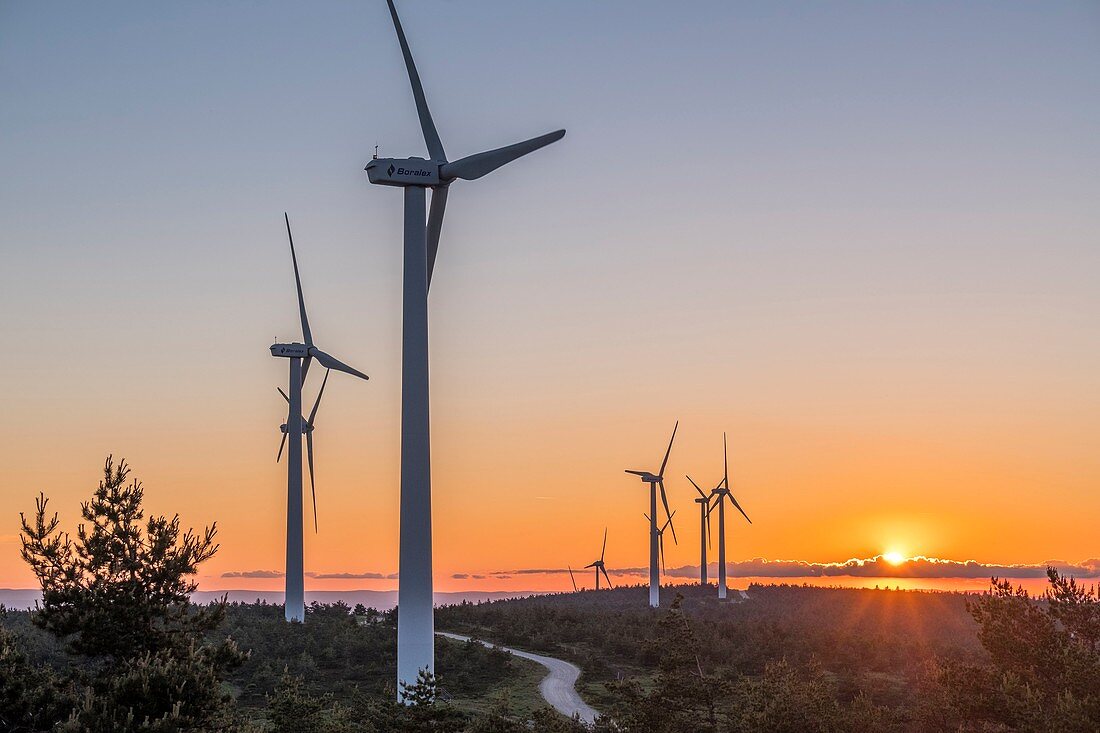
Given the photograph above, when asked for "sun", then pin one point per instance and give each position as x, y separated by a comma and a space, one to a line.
893, 557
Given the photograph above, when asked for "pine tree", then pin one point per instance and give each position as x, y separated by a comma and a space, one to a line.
119, 594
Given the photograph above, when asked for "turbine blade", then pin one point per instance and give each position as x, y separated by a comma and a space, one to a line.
708, 524
431, 136
669, 451
475, 166
590, 565
661, 543
572, 579
330, 362
734, 501
312, 486
605, 575
696, 486
305, 367
435, 225
282, 444
637, 473
298, 282
725, 462
283, 394
664, 500
602, 551
317, 402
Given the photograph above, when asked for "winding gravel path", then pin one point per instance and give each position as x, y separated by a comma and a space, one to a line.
557, 687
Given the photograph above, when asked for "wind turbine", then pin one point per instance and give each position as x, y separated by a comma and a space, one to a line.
300, 356
656, 481
704, 530
415, 626
307, 428
661, 538
720, 494
598, 564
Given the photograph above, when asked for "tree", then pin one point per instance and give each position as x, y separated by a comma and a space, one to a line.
30, 697
1044, 669
683, 697
119, 594
291, 709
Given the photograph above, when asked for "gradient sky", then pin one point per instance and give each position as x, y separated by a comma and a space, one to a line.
862, 238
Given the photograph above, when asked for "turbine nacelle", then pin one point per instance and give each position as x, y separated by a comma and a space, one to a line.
290, 351
403, 172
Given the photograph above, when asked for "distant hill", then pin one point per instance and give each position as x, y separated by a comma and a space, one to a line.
383, 600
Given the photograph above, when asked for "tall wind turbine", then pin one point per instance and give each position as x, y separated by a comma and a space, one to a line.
704, 530
656, 481
598, 564
300, 356
415, 626
720, 494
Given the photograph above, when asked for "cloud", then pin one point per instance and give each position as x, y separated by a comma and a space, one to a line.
871, 567
877, 567
315, 576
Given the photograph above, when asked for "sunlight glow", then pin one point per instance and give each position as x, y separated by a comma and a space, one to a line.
893, 557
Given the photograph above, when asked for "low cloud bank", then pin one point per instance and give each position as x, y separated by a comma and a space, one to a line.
315, 576
871, 567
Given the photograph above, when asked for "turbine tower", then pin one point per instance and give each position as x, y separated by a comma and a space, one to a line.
598, 564
704, 530
415, 626
656, 481
720, 494
300, 356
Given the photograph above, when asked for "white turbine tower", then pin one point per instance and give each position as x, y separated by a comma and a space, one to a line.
720, 494
415, 626
656, 481
704, 530
296, 353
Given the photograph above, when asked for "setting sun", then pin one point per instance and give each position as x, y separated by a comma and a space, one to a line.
894, 557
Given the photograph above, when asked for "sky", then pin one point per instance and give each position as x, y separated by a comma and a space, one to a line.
860, 238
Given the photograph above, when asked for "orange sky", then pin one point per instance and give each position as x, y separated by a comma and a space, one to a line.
876, 267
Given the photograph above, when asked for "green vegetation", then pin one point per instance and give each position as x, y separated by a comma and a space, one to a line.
117, 646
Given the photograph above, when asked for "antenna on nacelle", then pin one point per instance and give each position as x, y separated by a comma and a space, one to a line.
375, 152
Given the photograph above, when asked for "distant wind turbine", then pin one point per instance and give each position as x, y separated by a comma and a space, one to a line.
300, 356
720, 494
307, 427
661, 538
598, 564
415, 625
656, 481
704, 530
